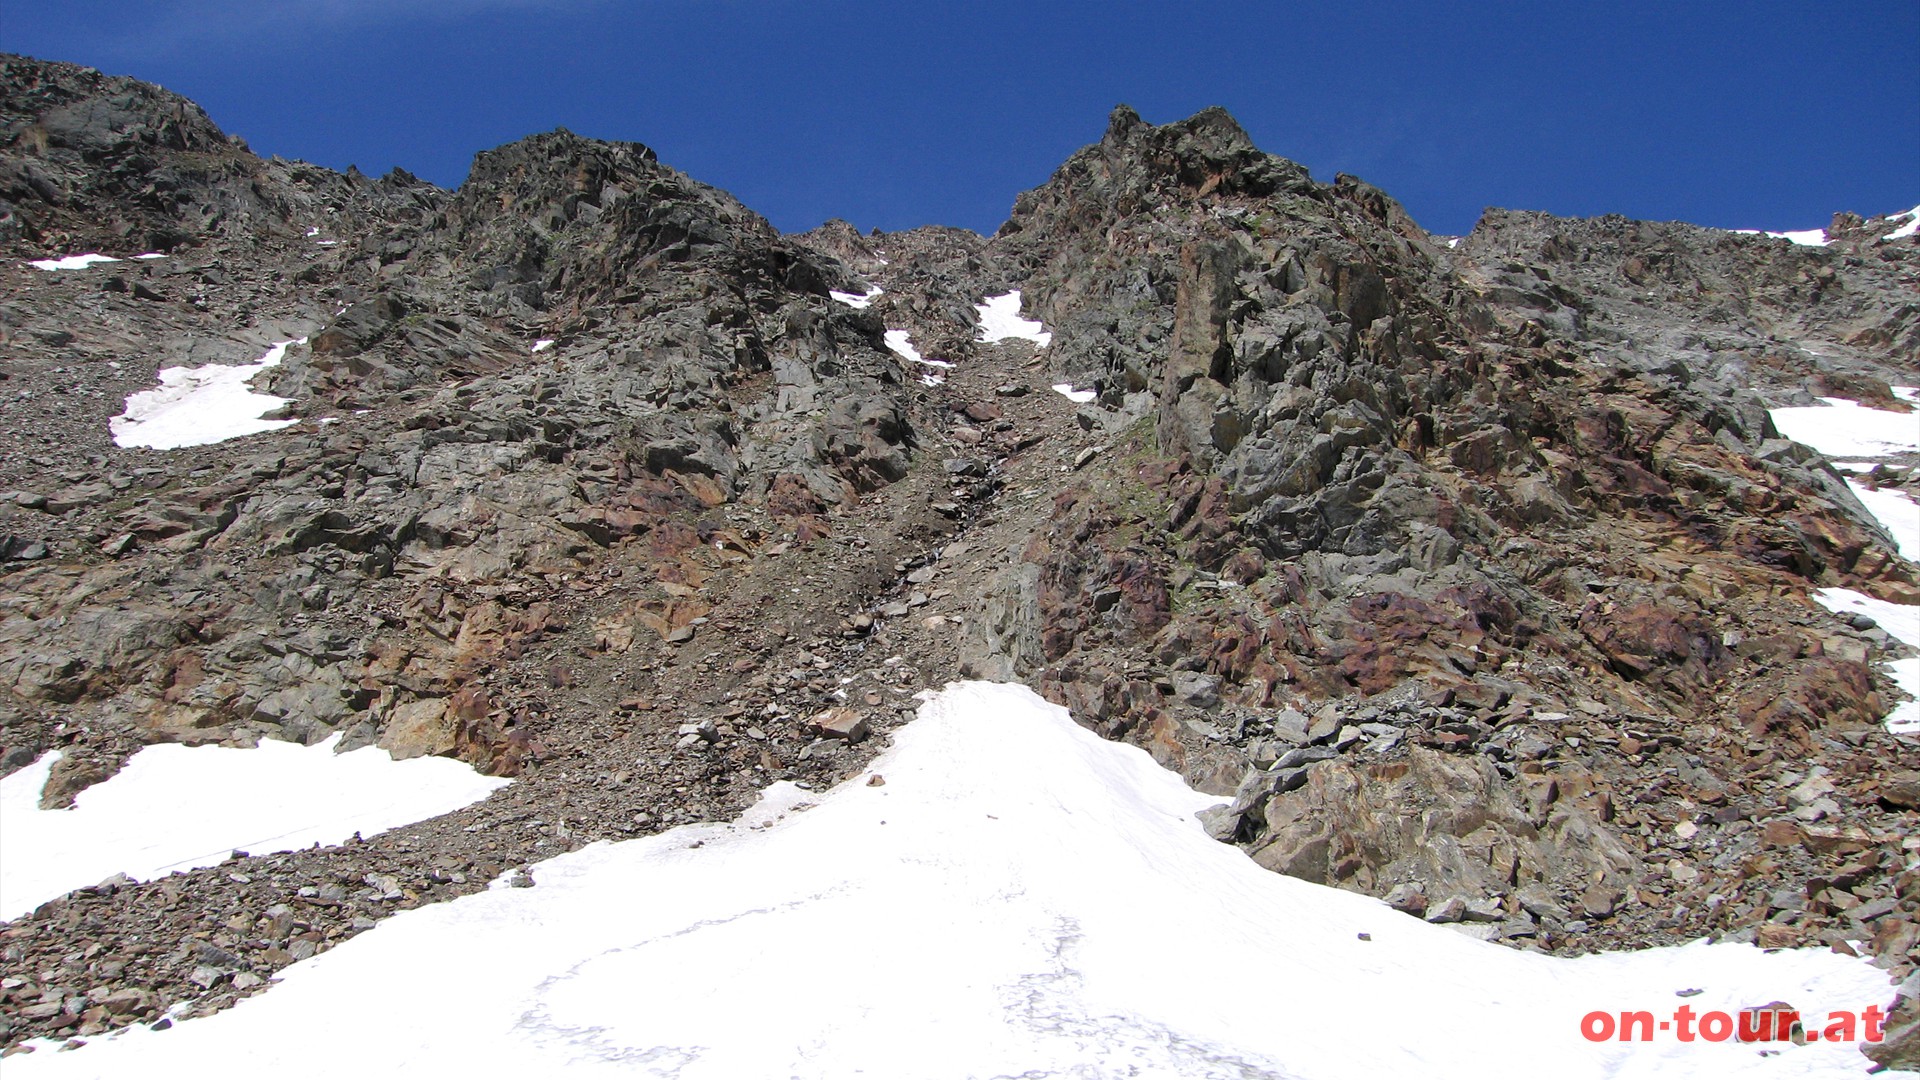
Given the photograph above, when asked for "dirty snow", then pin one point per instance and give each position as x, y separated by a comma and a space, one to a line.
175, 807
856, 300
1018, 898
71, 262
1000, 319
1078, 397
200, 406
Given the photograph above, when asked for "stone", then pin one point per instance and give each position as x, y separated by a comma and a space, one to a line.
1291, 725
840, 722
419, 728
1407, 898
1600, 901
1196, 688
1901, 790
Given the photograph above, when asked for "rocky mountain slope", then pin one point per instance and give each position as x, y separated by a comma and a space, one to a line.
1473, 574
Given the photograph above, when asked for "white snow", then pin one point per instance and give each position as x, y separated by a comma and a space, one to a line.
856, 300
1901, 621
1904, 231
1910, 394
1804, 237
200, 406
1019, 898
1900, 514
152, 255
1078, 397
1000, 319
543, 344
71, 262
1847, 429
173, 808
901, 342
1819, 238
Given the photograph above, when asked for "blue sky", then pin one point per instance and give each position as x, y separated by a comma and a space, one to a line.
1739, 114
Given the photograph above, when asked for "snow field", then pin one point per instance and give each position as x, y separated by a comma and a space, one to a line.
1000, 319
173, 808
1014, 897
201, 406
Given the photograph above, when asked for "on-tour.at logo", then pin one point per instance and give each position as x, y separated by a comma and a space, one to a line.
1773, 1022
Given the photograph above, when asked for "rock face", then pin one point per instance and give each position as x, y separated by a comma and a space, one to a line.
1471, 574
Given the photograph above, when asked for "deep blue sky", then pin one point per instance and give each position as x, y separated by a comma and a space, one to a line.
1738, 113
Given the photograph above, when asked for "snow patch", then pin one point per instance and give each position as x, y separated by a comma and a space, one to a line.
71, 262
1078, 397
1900, 621
173, 808
1844, 428
200, 406
1847, 429
1000, 319
543, 344
1803, 237
1904, 231
1018, 898
901, 342
856, 300
1900, 514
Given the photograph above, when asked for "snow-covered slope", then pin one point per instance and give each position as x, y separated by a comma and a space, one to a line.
1002, 894
173, 808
